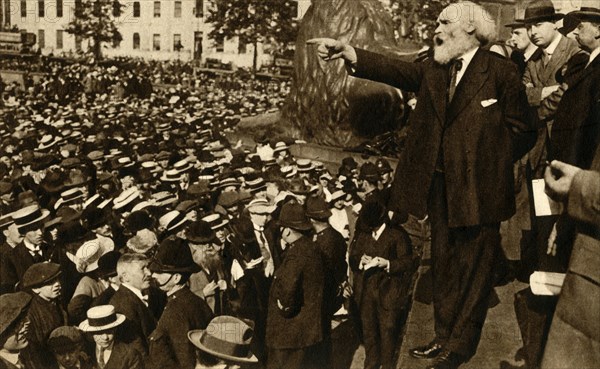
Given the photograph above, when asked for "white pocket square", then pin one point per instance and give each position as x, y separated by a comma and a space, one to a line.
488, 102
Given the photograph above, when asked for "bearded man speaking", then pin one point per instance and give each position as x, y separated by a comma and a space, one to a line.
470, 123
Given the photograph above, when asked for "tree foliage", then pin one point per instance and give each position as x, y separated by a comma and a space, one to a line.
95, 20
416, 19
254, 21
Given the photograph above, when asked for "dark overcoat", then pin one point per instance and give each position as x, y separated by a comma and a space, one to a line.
574, 336
169, 344
298, 285
478, 135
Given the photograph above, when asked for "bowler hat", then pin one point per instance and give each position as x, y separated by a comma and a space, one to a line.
587, 13
13, 306
517, 23
107, 264
293, 216
200, 232
40, 274
93, 218
541, 11
372, 214
317, 208
173, 256
369, 172
243, 230
225, 337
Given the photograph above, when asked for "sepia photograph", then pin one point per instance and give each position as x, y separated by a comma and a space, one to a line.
300, 184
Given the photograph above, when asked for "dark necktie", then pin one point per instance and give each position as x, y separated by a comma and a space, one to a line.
37, 256
455, 67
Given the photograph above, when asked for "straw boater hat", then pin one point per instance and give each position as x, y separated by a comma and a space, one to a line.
172, 175
29, 217
101, 318
227, 338
216, 221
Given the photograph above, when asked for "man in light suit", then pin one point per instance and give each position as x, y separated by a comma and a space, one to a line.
543, 90
471, 122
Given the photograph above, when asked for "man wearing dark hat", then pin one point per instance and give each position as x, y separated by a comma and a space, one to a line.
33, 249
573, 336
332, 246
171, 269
296, 317
524, 48
210, 282
370, 176
107, 274
383, 265
14, 329
542, 88
45, 312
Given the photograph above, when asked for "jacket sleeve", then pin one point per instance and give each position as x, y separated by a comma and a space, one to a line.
519, 117
404, 260
584, 197
288, 291
380, 68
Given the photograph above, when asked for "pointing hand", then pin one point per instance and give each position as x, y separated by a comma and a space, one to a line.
330, 49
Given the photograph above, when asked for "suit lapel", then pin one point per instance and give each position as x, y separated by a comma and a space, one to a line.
557, 59
470, 83
437, 82
585, 72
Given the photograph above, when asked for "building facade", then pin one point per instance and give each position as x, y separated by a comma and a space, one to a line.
161, 29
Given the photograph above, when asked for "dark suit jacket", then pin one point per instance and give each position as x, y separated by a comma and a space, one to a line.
333, 250
15, 263
140, 322
44, 317
393, 287
576, 129
298, 285
169, 344
478, 143
124, 357
575, 325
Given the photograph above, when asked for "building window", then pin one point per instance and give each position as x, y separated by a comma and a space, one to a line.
242, 47
177, 46
78, 8
199, 10
59, 8
41, 39
177, 11
156, 42
220, 44
136, 9
136, 41
77, 43
23, 8
156, 9
41, 8
59, 39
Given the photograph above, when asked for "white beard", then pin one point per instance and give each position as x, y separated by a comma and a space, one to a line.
455, 45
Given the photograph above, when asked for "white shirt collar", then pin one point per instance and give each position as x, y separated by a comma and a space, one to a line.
466, 60
531, 49
593, 55
107, 352
379, 231
136, 291
31, 247
552, 47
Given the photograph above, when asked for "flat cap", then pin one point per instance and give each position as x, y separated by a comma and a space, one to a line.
12, 305
65, 339
40, 274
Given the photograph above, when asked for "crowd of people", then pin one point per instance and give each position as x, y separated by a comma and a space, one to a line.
136, 235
